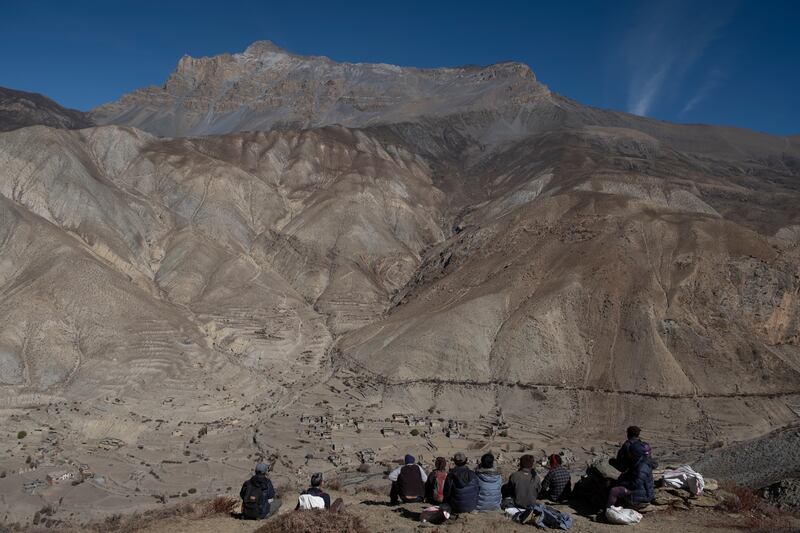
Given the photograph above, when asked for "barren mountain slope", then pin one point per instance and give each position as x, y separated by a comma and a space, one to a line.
236, 235
19, 109
482, 251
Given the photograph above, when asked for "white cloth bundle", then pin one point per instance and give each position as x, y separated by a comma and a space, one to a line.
684, 477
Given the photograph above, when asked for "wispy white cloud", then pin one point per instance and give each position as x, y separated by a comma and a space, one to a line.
713, 80
665, 42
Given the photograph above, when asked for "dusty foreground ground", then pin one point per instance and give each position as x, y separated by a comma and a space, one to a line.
377, 516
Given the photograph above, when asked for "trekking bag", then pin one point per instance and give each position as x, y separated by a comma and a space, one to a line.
253, 502
438, 486
547, 517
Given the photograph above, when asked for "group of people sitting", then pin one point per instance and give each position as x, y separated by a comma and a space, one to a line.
462, 489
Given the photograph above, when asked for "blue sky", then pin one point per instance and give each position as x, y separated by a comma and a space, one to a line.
731, 62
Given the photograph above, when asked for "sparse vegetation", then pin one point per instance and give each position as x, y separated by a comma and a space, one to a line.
192, 490
414, 432
220, 505
21, 434
314, 522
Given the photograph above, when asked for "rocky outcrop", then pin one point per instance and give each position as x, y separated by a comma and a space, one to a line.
267, 87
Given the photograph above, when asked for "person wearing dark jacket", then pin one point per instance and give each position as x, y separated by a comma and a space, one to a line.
314, 497
523, 485
434, 487
408, 482
461, 486
622, 461
635, 485
490, 483
259, 500
557, 483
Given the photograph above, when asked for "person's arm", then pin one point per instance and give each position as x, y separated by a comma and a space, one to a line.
394, 474
270, 491
545, 486
244, 489
423, 474
327, 499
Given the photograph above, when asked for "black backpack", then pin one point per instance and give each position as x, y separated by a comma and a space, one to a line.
254, 501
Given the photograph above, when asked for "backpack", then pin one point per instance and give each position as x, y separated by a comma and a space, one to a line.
438, 486
547, 517
254, 502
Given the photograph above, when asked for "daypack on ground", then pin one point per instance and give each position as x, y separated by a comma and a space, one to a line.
547, 517
254, 502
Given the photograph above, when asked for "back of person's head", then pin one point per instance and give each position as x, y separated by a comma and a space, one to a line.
554, 460
526, 461
261, 468
460, 459
487, 460
409, 459
441, 463
316, 479
633, 432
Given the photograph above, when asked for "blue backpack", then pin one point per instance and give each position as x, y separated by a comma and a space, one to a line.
547, 517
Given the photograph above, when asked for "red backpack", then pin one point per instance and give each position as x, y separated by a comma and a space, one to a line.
438, 485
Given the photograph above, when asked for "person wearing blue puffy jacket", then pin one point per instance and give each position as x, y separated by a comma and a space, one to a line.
461, 486
490, 484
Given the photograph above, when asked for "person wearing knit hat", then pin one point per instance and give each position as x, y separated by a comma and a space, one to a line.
408, 482
461, 486
557, 483
259, 500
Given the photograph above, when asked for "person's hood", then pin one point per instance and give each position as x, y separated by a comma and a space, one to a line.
488, 474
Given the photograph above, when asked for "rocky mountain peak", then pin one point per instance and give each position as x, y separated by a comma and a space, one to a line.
266, 47
266, 87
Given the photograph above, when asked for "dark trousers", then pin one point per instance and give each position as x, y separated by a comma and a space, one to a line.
395, 496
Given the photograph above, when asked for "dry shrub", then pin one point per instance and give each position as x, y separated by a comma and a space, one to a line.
371, 489
220, 505
314, 522
746, 500
334, 483
756, 513
119, 523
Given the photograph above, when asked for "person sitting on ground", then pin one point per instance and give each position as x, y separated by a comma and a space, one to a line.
557, 484
408, 482
259, 500
635, 486
523, 485
461, 486
621, 462
434, 487
490, 484
314, 497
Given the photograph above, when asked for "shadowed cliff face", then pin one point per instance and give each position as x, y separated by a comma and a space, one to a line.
465, 230
19, 109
